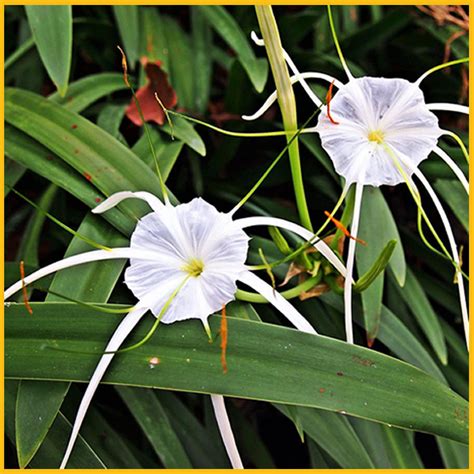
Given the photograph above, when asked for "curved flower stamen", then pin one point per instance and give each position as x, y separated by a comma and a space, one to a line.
454, 167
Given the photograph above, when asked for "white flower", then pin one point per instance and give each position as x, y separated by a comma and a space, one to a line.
371, 113
196, 243
377, 131
184, 263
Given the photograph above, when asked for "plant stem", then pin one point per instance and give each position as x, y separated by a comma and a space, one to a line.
286, 100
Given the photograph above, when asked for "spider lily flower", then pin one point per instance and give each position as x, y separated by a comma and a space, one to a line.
376, 132
185, 262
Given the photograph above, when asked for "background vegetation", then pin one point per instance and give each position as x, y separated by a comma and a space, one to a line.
66, 164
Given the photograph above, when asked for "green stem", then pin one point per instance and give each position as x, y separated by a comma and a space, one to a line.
18, 53
286, 100
250, 297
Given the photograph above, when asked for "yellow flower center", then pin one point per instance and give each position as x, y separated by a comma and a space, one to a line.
194, 267
376, 136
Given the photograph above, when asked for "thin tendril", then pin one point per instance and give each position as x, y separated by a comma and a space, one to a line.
145, 126
58, 222
457, 138
294, 292
417, 199
267, 267
338, 47
270, 168
83, 303
142, 341
439, 67
235, 134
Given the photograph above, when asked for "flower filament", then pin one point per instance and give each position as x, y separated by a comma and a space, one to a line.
193, 267
376, 136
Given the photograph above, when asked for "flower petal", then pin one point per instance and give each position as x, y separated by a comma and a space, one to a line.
117, 198
120, 334
226, 431
319, 245
93, 256
273, 297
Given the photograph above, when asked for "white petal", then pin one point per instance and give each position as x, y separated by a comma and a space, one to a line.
462, 109
93, 256
117, 198
273, 297
454, 167
319, 245
350, 264
293, 79
226, 431
122, 331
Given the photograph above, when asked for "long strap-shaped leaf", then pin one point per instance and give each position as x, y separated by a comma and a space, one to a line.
268, 363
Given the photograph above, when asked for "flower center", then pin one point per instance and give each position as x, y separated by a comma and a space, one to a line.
193, 267
376, 136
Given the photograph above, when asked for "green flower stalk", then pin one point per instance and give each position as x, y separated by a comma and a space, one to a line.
286, 100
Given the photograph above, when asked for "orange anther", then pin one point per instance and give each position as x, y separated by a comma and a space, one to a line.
124, 67
328, 102
224, 340
341, 227
23, 287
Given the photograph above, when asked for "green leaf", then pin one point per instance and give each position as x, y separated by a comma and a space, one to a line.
87, 90
455, 196
196, 438
167, 152
377, 227
34, 156
373, 35
13, 173
395, 335
52, 31
154, 44
416, 299
150, 415
266, 363
113, 447
103, 160
28, 250
50, 453
229, 30
37, 405
377, 267
455, 455
183, 130
335, 435
91, 282
127, 22
390, 448
180, 57
201, 36
110, 118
